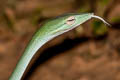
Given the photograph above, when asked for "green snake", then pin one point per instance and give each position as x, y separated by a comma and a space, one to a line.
48, 31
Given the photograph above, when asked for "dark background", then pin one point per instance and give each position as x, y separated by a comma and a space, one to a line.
89, 52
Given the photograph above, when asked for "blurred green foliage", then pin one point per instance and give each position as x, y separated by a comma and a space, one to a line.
99, 28
116, 19
104, 2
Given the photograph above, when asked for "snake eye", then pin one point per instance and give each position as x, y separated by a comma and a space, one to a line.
70, 20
